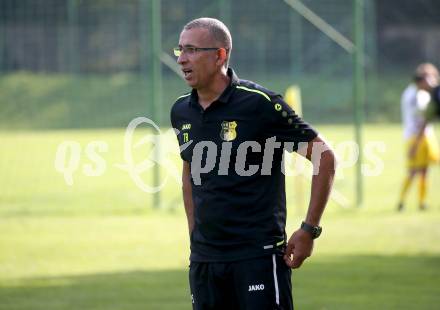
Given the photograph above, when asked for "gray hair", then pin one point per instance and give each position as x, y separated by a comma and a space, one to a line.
219, 32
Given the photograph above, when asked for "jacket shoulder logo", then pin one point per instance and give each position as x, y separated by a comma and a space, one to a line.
228, 131
186, 126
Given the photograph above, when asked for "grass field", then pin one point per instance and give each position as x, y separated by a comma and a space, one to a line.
58, 101
99, 244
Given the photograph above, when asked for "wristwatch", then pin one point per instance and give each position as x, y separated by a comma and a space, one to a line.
315, 231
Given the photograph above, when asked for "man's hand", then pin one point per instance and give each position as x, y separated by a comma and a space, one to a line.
299, 247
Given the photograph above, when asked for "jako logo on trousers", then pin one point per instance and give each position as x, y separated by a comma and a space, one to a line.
259, 287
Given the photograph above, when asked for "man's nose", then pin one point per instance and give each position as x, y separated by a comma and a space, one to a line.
181, 59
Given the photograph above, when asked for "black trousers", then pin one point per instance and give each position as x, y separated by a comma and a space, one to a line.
262, 283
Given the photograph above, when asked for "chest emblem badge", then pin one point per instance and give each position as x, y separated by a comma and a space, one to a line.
228, 132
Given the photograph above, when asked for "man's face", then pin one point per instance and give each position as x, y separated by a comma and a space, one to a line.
427, 80
427, 83
199, 68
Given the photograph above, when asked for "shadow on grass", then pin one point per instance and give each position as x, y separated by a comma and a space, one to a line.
326, 282
125, 290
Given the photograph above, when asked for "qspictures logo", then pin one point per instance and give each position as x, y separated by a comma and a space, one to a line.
206, 156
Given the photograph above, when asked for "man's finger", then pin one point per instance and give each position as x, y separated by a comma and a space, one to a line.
288, 254
288, 261
297, 261
289, 249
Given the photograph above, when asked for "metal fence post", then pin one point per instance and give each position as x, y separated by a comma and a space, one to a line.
359, 91
156, 86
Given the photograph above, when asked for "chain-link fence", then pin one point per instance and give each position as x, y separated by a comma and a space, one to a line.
82, 64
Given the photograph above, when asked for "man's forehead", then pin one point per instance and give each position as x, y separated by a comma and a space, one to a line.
195, 36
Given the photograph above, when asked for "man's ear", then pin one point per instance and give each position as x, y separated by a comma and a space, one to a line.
222, 55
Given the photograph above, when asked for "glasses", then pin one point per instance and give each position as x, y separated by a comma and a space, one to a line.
191, 50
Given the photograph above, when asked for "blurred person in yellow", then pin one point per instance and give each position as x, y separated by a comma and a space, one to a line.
421, 144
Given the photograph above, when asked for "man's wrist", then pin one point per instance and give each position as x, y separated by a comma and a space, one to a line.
313, 230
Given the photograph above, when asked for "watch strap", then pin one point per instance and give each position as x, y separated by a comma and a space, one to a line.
315, 231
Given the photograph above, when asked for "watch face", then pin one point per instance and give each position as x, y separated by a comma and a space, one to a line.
317, 231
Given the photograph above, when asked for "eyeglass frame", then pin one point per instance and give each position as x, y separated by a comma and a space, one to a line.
181, 49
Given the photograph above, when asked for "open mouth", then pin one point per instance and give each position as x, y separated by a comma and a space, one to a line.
186, 72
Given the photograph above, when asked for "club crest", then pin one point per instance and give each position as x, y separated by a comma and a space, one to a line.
228, 132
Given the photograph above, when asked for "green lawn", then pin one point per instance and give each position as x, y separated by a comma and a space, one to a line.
99, 244
59, 101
